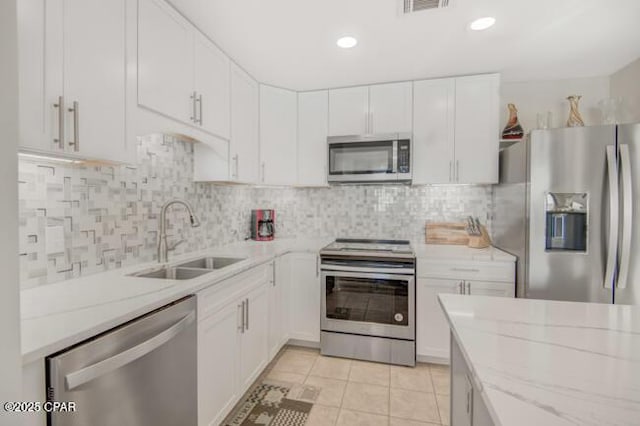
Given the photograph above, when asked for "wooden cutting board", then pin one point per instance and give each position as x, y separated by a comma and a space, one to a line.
447, 233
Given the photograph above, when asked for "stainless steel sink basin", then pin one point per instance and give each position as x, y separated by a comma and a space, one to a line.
211, 262
175, 273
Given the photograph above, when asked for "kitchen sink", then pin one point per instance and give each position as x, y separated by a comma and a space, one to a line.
211, 262
174, 273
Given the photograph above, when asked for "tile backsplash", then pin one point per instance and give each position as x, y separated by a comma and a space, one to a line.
78, 220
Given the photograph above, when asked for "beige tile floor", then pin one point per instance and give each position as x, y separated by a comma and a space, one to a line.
363, 393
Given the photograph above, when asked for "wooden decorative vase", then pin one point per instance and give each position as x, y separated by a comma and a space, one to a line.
513, 129
575, 119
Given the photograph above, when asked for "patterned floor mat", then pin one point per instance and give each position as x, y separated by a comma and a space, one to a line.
274, 403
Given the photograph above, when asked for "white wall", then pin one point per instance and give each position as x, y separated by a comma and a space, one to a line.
10, 361
532, 97
625, 84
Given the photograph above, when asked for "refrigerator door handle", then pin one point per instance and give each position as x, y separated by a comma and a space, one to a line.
614, 200
627, 216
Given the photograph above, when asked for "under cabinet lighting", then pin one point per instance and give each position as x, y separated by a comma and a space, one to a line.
483, 23
48, 158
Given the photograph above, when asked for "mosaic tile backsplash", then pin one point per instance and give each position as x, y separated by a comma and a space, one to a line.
79, 220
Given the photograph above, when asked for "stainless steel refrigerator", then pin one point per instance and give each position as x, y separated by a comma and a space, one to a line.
566, 207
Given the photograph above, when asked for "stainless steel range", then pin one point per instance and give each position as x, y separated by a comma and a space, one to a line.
368, 301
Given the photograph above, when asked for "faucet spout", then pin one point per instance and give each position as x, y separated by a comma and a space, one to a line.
163, 246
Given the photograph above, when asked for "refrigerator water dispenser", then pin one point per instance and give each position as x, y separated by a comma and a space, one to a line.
566, 222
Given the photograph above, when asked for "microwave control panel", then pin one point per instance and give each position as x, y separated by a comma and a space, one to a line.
404, 156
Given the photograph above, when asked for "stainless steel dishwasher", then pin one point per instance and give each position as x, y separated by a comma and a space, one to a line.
142, 373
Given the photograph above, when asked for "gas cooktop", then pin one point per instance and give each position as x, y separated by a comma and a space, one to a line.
364, 247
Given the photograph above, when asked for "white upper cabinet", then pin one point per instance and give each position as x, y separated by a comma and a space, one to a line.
433, 130
383, 108
165, 61
73, 78
390, 108
245, 147
313, 117
477, 128
349, 111
181, 74
211, 70
455, 130
278, 123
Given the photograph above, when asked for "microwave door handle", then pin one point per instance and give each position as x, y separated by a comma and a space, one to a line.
93, 371
614, 200
627, 216
394, 160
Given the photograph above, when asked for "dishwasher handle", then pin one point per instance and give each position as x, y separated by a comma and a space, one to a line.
93, 371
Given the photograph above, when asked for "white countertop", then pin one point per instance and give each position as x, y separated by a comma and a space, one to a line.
59, 315
458, 252
550, 363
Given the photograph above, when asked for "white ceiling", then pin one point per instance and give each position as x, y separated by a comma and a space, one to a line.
291, 43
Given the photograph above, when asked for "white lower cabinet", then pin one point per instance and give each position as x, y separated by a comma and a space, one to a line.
432, 328
305, 294
254, 351
437, 277
278, 306
218, 344
232, 341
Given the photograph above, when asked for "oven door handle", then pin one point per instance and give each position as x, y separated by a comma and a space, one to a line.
398, 271
373, 275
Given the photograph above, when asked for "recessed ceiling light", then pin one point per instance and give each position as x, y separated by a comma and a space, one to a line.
483, 23
347, 42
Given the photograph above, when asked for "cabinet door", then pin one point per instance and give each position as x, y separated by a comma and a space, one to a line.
390, 107
254, 351
245, 147
433, 131
211, 71
278, 122
349, 111
278, 306
165, 61
488, 288
305, 296
40, 47
95, 78
432, 328
477, 129
218, 349
313, 117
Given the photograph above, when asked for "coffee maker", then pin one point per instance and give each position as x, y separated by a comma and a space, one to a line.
263, 225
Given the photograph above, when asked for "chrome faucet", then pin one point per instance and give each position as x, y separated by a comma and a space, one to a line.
163, 246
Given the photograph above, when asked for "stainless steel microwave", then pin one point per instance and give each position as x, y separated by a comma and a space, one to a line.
370, 158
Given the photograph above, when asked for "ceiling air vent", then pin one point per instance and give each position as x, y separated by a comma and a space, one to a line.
411, 6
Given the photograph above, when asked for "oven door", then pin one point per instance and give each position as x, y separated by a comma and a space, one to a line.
368, 304
360, 161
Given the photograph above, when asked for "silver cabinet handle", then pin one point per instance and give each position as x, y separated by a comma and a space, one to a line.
273, 265
468, 287
76, 126
627, 216
263, 173
609, 275
246, 313
194, 116
450, 170
457, 170
460, 290
234, 167
237, 165
465, 269
86, 374
241, 326
370, 122
199, 109
60, 139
